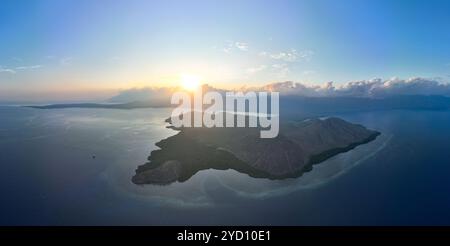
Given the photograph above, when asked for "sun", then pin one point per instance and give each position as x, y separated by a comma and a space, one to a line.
190, 82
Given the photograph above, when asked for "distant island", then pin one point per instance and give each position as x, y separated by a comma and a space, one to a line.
129, 105
297, 148
296, 107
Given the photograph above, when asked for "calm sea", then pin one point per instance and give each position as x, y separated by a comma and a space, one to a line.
73, 167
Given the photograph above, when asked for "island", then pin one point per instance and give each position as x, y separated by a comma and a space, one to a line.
293, 152
129, 105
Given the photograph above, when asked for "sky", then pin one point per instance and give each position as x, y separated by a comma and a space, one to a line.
85, 49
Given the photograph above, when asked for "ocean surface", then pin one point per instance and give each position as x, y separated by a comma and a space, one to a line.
74, 167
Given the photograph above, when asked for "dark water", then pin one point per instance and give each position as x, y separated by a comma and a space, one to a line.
48, 175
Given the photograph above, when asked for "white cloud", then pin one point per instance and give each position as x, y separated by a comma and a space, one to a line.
365, 88
374, 88
7, 70
306, 55
256, 69
286, 56
241, 46
32, 67
19, 68
227, 49
232, 45
289, 56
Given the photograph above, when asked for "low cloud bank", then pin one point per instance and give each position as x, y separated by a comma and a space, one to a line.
374, 88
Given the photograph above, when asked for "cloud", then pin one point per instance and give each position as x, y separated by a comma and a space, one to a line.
292, 88
375, 88
226, 49
32, 67
155, 95
278, 63
253, 70
7, 70
19, 68
289, 56
232, 45
241, 46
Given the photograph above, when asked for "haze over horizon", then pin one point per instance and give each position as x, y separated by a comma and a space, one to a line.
84, 50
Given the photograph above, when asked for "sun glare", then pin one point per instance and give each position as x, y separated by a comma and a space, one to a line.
190, 82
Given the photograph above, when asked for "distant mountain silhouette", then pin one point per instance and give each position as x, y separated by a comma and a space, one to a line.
301, 107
